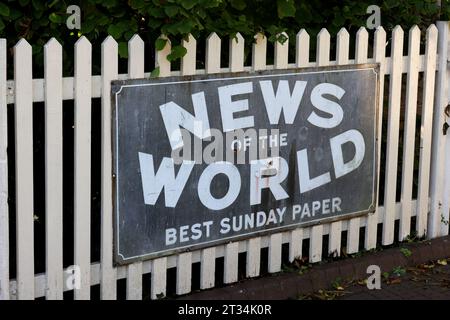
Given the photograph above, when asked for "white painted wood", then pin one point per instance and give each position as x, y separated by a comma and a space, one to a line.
253, 257
323, 48
4, 217
230, 273
353, 235
184, 260
40, 279
82, 174
24, 170
322, 59
134, 281
109, 69
315, 244
237, 53
53, 169
302, 49
275, 253
342, 46
213, 49
161, 61
259, 51
159, 266
379, 50
438, 152
426, 131
295, 244
208, 268
189, 60
281, 53
68, 94
334, 243
184, 273
409, 132
395, 87
362, 44
159, 278
342, 58
135, 71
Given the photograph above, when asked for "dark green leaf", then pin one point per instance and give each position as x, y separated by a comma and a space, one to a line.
160, 43
176, 53
238, 4
286, 8
4, 10
171, 10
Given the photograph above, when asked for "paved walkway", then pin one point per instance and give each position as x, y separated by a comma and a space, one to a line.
430, 281
412, 271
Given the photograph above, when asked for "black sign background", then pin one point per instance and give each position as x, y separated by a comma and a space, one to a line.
138, 127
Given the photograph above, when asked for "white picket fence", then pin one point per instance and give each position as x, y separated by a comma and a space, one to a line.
431, 208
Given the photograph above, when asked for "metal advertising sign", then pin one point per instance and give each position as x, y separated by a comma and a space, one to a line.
204, 160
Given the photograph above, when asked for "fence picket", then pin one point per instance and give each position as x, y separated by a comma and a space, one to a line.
230, 273
426, 131
302, 49
53, 169
439, 206
82, 174
281, 52
395, 87
322, 59
208, 268
379, 50
213, 47
159, 265
342, 58
184, 273
135, 70
362, 43
208, 255
295, 244
259, 50
159, 278
109, 69
409, 131
184, 260
4, 217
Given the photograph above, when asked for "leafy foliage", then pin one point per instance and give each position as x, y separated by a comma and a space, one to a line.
38, 21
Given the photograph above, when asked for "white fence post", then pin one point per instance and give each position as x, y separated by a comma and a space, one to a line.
4, 218
440, 167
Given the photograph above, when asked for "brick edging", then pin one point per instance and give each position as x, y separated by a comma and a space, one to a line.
289, 285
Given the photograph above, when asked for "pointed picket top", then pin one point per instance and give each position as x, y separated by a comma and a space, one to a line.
213, 47
302, 48
259, 52
22, 44
431, 30
342, 46
161, 61
109, 43
52, 44
397, 43
281, 52
188, 62
237, 53
136, 52
362, 45
323, 48
83, 44
414, 44
431, 43
380, 46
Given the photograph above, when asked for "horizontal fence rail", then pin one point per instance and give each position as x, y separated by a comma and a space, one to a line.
410, 76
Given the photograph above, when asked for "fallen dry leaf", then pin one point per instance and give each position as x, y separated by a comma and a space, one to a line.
442, 262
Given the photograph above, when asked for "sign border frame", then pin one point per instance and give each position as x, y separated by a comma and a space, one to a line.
119, 259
